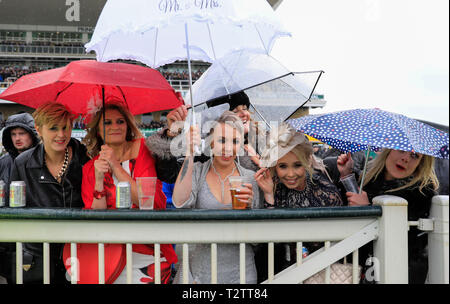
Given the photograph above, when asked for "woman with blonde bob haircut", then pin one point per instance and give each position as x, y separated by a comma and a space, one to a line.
409, 175
52, 173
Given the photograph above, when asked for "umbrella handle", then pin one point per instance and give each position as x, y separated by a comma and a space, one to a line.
104, 114
364, 170
196, 148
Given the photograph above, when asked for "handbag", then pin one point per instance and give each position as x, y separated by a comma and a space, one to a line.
339, 274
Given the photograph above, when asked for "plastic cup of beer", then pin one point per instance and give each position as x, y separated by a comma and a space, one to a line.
236, 185
350, 183
146, 192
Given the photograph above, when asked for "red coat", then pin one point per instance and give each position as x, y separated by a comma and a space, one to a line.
142, 166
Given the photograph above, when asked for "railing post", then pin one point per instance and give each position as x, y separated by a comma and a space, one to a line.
391, 247
438, 258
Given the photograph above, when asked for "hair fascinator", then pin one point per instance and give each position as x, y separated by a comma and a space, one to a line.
281, 141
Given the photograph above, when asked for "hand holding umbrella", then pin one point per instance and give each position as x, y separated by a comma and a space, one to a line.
345, 164
175, 120
101, 168
107, 154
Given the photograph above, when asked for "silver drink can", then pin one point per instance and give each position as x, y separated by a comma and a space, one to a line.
17, 194
123, 195
2, 193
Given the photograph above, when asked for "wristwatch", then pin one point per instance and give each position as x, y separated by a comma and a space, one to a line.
99, 194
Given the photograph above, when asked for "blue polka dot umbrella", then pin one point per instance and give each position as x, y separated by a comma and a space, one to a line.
361, 129
373, 129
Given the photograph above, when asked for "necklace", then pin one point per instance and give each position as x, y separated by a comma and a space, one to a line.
63, 169
222, 181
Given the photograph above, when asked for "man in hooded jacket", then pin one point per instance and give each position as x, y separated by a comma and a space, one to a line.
18, 136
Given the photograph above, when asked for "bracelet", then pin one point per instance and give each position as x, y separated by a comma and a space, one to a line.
99, 194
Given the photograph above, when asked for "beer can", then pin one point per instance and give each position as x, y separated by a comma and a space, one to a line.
17, 194
2, 193
123, 195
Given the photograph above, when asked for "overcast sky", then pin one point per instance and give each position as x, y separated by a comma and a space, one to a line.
390, 54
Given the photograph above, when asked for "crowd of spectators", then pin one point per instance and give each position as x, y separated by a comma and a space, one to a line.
151, 125
42, 43
14, 72
17, 71
184, 75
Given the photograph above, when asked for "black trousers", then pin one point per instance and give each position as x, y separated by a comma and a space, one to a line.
33, 265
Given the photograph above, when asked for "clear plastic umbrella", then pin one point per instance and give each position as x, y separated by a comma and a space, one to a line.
274, 92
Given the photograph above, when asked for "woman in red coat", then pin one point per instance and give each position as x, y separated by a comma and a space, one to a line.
123, 158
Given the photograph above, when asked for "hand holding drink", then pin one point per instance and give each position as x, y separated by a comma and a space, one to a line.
241, 192
350, 183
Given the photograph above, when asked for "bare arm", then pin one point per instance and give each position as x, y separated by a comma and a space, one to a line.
100, 167
183, 184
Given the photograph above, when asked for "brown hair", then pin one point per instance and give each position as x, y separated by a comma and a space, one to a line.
94, 141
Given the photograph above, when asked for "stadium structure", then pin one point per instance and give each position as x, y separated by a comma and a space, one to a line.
45, 34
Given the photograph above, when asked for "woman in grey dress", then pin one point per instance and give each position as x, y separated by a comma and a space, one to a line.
191, 191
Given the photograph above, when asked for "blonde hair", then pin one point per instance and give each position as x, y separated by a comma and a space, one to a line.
424, 173
93, 139
305, 154
228, 118
51, 113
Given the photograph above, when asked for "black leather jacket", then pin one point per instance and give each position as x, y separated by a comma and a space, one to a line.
42, 190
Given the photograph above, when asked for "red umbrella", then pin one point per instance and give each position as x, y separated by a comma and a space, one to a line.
83, 85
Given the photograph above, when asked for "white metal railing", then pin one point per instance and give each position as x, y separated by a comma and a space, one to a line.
438, 272
342, 229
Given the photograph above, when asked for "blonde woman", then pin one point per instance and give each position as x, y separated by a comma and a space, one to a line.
52, 174
52, 169
291, 176
206, 186
408, 175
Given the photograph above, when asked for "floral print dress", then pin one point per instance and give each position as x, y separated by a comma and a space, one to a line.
319, 192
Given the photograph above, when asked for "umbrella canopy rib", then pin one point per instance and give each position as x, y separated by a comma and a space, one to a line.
59, 93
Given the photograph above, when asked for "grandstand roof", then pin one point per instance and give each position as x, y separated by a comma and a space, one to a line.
76, 13
51, 12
